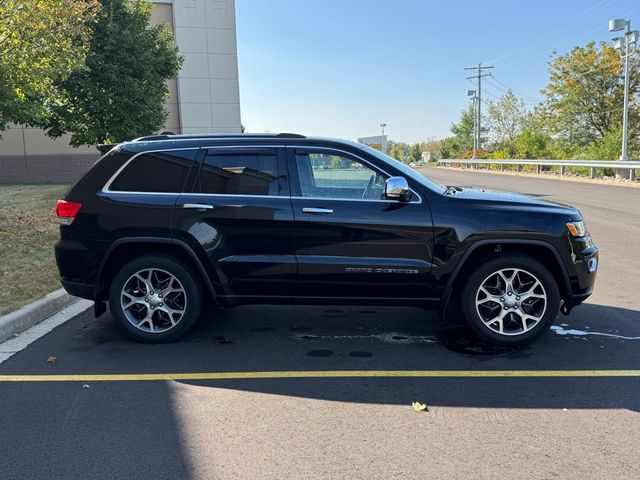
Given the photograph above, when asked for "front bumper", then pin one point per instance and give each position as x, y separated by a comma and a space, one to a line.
585, 263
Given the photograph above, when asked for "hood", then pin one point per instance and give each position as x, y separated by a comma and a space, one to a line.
512, 200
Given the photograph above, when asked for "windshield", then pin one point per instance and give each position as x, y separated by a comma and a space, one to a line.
405, 169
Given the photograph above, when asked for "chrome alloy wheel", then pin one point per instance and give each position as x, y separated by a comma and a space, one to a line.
153, 300
511, 301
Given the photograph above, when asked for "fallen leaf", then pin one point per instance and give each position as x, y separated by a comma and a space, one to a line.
420, 407
52, 359
224, 340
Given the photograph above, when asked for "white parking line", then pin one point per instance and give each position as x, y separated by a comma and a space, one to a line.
12, 346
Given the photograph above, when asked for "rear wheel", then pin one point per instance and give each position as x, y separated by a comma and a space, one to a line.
511, 299
155, 299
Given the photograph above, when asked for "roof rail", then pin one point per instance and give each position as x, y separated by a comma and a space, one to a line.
290, 135
196, 136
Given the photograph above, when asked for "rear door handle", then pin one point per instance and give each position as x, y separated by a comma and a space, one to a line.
317, 210
198, 206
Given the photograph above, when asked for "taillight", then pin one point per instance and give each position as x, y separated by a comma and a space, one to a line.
67, 211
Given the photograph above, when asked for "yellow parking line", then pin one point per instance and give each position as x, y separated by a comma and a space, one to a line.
321, 374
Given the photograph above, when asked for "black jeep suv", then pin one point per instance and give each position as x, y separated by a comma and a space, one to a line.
160, 223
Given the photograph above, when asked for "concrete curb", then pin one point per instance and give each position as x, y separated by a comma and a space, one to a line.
19, 320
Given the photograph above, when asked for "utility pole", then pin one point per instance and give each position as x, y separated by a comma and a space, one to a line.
383, 143
478, 110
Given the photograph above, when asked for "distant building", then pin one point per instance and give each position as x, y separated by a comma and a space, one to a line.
379, 142
204, 98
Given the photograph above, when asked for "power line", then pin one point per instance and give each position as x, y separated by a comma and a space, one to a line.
503, 91
520, 94
553, 33
572, 42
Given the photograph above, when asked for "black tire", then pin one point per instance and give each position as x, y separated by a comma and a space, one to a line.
513, 331
163, 330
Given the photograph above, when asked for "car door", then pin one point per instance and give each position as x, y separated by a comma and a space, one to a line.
239, 216
350, 240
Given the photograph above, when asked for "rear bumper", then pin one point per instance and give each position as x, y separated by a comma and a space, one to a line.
78, 289
76, 265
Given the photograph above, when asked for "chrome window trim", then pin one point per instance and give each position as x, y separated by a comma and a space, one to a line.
340, 199
233, 195
106, 190
244, 146
366, 162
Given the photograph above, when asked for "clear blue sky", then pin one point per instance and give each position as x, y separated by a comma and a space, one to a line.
341, 67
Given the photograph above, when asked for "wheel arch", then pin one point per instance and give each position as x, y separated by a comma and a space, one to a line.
542, 251
125, 249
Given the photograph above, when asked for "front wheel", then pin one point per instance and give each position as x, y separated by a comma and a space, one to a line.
510, 299
155, 299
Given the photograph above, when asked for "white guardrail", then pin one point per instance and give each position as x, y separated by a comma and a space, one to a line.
592, 164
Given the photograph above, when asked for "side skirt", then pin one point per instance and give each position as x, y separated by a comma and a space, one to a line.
235, 300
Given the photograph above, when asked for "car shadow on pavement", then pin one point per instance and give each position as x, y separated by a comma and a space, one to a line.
314, 338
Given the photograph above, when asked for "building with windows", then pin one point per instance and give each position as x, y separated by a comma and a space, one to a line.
203, 98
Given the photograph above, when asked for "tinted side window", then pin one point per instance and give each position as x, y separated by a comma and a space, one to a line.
155, 172
327, 175
248, 173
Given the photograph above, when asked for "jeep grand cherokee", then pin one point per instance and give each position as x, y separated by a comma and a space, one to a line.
160, 223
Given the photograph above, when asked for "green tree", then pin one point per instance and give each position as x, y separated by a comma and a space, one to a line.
415, 154
120, 92
584, 96
398, 150
461, 143
532, 144
41, 42
506, 119
434, 146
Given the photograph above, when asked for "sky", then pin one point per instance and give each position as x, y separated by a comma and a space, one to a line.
341, 67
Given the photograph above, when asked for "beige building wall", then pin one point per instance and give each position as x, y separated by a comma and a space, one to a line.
163, 13
204, 97
208, 92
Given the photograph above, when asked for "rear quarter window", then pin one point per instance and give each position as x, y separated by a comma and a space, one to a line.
157, 172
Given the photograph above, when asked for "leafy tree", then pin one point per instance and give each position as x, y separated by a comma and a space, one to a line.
461, 142
415, 154
584, 96
434, 146
120, 92
532, 144
506, 119
396, 151
41, 42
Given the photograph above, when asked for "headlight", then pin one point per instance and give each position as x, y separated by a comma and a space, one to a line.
577, 229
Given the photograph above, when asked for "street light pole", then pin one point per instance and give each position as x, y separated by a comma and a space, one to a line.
472, 94
384, 144
630, 38
625, 111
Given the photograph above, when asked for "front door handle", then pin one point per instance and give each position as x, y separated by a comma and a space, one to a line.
317, 210
198, 206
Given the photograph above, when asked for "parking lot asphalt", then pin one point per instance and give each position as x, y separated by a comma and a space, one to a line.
535, 425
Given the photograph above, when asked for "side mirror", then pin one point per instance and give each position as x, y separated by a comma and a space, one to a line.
397, 188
